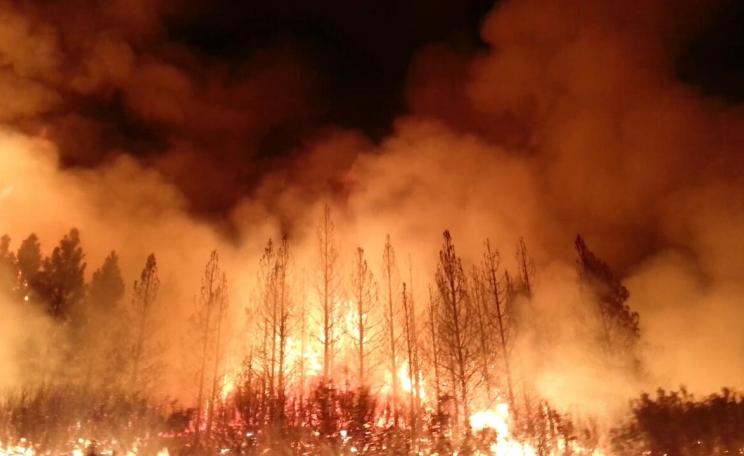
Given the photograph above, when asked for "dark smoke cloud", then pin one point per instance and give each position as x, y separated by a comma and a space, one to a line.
209, 89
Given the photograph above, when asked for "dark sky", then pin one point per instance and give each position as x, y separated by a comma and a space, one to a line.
362, 49
714, 61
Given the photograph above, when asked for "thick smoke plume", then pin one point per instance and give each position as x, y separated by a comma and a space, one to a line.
572, 120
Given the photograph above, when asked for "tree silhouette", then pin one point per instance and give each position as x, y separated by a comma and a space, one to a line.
103, 315
145, 293
619, 323
29, 265
107, 284
61, 280
8, 267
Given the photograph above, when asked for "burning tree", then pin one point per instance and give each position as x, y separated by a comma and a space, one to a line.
275, 309
465, 397
457, 329
410, 334
143, 354
328, 290
209, 321
366, 332
499, 319
389, 279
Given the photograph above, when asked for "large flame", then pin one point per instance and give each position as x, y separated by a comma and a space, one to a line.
497, 419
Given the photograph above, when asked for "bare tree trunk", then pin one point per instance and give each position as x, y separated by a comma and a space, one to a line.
484, 351
409, 335
415, 332
434, 346
221, 297
388, 258
303, 336
359, 292
491, 265
328, 257
526, 268
207, 299
200, 394
455, 322
283, 265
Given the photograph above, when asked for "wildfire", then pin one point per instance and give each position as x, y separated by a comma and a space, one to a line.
407, 382
498, 420
228, 385
22, 448
80, 447
307, 356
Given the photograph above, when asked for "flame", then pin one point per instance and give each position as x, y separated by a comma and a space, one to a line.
498, 420
79, 447
309, 357
406, 381
228, 385
22, 448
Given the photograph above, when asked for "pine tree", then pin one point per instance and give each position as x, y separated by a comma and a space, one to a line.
145, 294
411, 343
619, 324
498, 312
61, 280
102, 317
275, 308
8, 267
107, 285
482, 317
365, 323
389, 278
457, 327
328, 289
29, 266
210, 327
526, 269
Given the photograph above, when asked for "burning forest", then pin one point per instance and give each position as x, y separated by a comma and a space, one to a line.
507, 228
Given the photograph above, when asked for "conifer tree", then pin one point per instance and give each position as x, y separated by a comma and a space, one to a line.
365, 330
61, 280
389, 279
145, 294
328, 289
619, 324
457, 327
107, 284
8, 267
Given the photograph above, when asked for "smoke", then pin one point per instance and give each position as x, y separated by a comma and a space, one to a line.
571, 121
